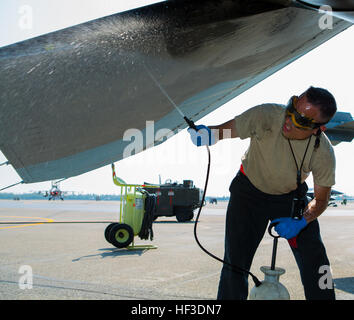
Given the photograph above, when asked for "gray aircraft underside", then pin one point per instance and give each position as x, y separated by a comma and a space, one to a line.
66, 98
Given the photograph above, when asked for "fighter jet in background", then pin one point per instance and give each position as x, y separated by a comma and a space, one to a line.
54, 192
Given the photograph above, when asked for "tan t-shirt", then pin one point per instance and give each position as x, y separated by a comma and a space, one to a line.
269, 163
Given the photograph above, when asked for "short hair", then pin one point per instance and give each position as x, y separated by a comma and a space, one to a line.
324, 100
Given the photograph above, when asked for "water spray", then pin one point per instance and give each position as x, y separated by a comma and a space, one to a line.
192, 126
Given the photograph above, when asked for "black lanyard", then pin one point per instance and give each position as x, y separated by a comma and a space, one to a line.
298, 173
299, 203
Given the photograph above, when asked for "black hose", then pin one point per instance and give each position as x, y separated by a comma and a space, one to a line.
146, 230
234, 267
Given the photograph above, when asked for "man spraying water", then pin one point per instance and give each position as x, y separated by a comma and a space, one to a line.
286, 144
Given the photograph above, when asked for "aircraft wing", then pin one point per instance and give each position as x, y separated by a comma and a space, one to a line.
340, 128
311, 193
67, 98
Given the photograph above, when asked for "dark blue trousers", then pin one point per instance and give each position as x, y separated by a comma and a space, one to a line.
248, 214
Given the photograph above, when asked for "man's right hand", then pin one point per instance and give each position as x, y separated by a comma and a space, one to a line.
202, 136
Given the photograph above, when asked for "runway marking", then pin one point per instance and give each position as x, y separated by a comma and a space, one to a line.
26, 225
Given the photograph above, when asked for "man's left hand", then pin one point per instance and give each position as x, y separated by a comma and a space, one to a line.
288, 227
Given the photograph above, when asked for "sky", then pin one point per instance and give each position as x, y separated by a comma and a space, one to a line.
330, 66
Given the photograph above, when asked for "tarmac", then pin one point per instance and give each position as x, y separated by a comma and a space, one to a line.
73, 261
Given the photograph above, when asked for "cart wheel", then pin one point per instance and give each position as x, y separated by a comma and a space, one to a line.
121, 235
107, 231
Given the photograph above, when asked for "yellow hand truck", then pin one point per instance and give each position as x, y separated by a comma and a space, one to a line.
136, 214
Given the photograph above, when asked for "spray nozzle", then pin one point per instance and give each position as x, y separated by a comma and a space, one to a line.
190, 123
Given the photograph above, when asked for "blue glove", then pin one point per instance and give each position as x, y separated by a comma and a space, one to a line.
288, 227
203, 136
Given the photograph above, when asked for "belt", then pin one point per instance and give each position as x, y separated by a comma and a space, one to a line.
242, 170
